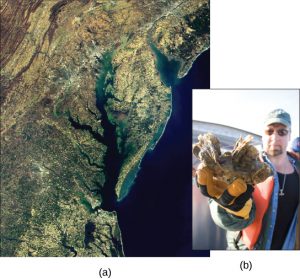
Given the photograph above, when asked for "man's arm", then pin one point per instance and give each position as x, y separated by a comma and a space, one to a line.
228, 221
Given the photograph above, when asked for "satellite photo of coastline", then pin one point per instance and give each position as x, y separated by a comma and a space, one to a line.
96, 125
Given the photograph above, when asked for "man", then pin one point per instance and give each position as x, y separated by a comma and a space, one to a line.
263, 217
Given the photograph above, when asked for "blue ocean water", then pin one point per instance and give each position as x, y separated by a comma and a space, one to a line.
156, 216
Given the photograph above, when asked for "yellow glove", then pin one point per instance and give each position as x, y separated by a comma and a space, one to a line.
235, 198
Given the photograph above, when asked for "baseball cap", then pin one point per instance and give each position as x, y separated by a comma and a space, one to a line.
278, 116
296, 144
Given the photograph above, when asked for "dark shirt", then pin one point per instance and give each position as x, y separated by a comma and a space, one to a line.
287, 205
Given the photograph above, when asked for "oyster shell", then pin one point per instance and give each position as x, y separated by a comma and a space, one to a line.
242, 162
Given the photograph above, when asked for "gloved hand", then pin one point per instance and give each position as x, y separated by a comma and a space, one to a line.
235, 198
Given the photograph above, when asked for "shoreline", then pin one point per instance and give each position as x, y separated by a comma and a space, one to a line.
128, 182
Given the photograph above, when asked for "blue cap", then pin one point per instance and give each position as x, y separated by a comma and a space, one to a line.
296, 145
278, 116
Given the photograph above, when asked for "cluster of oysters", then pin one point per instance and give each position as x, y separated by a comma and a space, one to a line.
242, 162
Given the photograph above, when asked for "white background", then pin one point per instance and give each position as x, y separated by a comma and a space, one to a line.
221, 264
254, 44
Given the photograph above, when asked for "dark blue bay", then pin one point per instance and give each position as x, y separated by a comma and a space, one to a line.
156, 216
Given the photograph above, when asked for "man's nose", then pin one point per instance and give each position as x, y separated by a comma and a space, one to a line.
274, 136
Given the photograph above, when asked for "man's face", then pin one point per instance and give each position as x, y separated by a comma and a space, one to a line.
275, 139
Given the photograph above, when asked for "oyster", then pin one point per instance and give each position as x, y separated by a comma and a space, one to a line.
242, 162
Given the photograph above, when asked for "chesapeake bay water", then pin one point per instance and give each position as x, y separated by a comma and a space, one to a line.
155, 218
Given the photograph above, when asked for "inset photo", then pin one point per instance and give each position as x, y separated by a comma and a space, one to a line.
246, 188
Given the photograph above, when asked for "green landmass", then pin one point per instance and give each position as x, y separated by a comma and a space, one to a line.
79, 79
